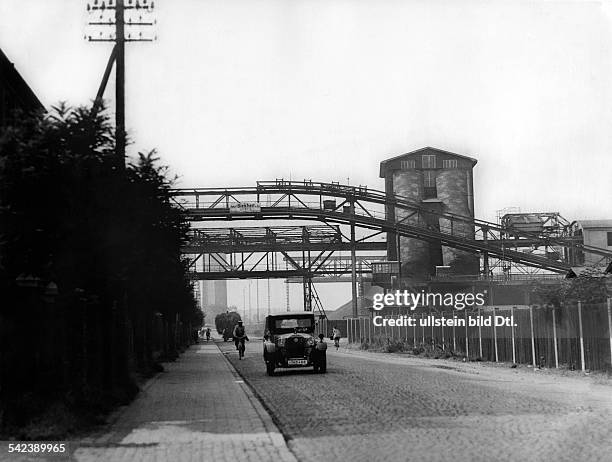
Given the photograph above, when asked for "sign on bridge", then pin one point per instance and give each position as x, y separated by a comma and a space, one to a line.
245, 207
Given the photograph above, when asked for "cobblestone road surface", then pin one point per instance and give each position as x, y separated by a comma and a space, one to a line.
372, 407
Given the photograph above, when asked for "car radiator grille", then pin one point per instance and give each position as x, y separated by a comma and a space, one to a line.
295, 348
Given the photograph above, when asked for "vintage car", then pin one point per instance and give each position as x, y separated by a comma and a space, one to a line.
289, 342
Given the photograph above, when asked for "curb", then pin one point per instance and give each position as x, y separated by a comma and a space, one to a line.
273, 431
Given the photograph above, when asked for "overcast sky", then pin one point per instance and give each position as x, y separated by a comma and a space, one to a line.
236, 91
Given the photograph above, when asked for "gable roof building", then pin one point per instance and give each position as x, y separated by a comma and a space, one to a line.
395, 163
15, 93
438, 180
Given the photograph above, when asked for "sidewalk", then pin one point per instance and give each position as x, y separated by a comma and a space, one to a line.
549, 383
199, 409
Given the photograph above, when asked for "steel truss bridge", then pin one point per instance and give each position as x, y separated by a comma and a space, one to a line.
262, 252
299, 254
270, 252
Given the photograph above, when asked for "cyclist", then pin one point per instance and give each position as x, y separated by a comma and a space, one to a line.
240, 336
336, 335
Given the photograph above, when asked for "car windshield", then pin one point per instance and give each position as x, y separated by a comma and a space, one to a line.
285, 325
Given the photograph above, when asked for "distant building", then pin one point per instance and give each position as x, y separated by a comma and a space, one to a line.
595, 233
441, 181
213, 294
15, 94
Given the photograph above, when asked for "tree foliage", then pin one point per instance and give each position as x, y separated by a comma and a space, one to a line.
109, 240
464, 263
589, 287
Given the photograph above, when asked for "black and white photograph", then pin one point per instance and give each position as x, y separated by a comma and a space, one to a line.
306, 230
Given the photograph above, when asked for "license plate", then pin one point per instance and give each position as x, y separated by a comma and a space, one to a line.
297, 362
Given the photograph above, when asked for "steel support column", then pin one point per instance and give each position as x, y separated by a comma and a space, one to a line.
307, 293
399, 262
485, 254
354, 271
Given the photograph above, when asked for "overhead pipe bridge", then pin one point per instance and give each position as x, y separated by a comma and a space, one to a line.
360, 207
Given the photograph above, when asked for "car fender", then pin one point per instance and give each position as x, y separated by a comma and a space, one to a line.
269, 348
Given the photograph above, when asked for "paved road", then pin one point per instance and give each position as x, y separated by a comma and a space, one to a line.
198, 410
376, 407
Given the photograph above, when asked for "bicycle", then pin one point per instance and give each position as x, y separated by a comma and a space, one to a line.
241, 348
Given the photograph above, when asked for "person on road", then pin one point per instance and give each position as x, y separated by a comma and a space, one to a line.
207, 334
239, 334
336, 335
318, 353
321, 344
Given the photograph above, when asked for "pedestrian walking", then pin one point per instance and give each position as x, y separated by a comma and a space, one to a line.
336, 335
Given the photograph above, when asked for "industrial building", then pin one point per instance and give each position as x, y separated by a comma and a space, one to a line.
440, 181
212, 295
595, 233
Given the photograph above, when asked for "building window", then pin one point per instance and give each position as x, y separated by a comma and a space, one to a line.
449, 163
408, 164
428, 161
429, 179
609, 239
429, 183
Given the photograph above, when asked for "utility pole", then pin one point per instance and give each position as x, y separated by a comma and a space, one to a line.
257, 300
287, 286
102, 17
268, 296
354, 271
244, 303
250, 306
354, 297
120, 84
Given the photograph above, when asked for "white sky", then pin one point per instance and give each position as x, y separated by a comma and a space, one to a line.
236, 91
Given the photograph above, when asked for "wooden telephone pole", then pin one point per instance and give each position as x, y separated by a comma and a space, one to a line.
120, 83
101, 16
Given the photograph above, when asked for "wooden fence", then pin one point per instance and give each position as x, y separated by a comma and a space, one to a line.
576, 336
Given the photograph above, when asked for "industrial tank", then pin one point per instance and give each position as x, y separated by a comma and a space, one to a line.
454, 190
413, 253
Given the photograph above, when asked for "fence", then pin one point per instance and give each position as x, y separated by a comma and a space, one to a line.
326, 326
74, 345
577, 336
